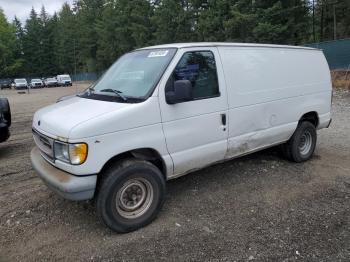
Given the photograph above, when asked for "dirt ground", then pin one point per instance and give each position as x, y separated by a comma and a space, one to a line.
256, 208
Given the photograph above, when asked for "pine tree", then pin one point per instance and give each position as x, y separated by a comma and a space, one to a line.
87, 14
8, 63
32, 45
53, 43
92, 34
66, 37
172, 22
45, 43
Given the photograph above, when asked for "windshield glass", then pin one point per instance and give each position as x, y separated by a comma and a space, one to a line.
135, 74
65, 78
51, 79
36, 80
20, 81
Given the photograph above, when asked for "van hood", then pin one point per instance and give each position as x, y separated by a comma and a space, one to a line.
59, 119
77, 118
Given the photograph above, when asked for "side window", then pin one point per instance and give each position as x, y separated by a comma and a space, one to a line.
199, 67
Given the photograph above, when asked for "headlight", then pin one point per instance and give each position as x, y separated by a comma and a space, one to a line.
62, 152
71, 153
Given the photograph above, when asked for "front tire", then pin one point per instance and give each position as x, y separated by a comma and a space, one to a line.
5, 109
130, 195
301, 146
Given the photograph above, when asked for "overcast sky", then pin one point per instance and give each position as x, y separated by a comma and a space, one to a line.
21, 8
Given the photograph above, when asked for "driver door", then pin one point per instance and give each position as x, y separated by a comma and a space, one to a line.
196, 131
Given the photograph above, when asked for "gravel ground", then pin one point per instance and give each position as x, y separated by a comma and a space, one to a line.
256, 208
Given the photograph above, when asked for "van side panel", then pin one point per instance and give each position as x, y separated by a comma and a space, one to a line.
269, 89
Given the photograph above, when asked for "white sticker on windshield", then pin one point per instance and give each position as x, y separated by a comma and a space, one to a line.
158, 53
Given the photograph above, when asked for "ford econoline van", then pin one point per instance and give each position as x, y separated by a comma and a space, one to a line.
64, 80
163, 111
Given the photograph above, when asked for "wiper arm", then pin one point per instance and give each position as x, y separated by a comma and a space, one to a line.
91, 90
117, 92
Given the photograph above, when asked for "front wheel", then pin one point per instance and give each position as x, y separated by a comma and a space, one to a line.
302, 144
130, 195
6, 111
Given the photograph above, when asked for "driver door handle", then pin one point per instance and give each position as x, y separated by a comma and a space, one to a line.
223, 119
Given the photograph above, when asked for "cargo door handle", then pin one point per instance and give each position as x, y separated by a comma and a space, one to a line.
223, 119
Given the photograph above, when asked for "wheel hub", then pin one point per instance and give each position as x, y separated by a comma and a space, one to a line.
305, 143
134, 198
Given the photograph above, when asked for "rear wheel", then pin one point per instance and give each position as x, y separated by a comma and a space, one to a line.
5, 109
130, 195
302, 144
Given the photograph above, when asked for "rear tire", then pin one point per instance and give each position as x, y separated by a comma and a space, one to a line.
5, 109
130, 195
301, 146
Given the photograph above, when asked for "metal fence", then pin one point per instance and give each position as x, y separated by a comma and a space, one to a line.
86, 76
336, 52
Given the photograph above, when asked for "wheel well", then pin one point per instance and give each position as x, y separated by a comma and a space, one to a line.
311, 117
147, 154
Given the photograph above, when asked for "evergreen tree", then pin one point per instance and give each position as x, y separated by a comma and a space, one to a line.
8, 63
45, 43
172, 22
212, 16
332, 19
124, 25
53, 43
66, 38
87, 14
92, 34
32, 45
241, 22
19, 34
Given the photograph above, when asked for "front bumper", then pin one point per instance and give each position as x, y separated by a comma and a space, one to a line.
21, 87
64, 184
36, 86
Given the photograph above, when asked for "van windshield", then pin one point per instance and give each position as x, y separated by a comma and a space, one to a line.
20, 81
134, 75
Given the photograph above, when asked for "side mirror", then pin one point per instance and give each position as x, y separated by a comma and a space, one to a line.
182, 92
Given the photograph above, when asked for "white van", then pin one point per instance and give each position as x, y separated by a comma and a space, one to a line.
163, 111
64, 80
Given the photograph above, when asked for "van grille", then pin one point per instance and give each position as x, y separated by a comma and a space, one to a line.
45, 145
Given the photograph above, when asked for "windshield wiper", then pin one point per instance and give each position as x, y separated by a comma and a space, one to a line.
91, 90
117, 92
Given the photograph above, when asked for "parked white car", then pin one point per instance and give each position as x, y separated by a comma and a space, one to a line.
20, 83
36, 83
51, 82
64, 80
161, 112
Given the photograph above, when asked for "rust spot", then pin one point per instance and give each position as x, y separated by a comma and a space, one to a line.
236, 151
60, 176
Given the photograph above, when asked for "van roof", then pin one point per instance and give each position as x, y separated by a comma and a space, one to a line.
212, 44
